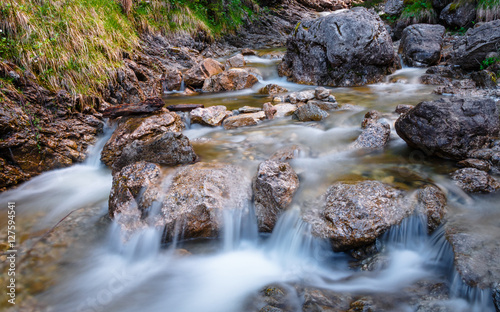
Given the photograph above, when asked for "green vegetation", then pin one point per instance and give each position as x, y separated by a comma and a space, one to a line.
487, 62
78, 44
488, 10
419, 11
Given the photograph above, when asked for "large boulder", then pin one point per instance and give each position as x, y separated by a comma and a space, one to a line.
210, 116
394, 7
354, 215
230, 80
169, 148
449, 127
476, 248
458, 14
138, 128
189, 204
195, 77
274, 187
198, 195
421, 44
476, 44
345, 48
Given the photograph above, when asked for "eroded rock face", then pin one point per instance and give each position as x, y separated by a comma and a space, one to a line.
421, 44
476, 44
354, 215
449, 127
210, 116
196, 76
274, 187
169, 149
347, 48
138, 128
196, 210
473, 180
230, 80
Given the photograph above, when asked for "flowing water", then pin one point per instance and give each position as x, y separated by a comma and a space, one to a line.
98, 271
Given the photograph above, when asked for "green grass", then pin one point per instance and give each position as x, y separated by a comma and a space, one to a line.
419, 11
488, 10
78, 44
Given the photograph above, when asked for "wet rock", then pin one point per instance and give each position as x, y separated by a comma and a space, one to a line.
170, 149
324, 300
302, 96
172, 80
476, 44
243, 120
249, 109
431, 202
210, 116
272, 89
310, 112
326, 106
347, 48
484, 79
236, 61
482, 165
421, 44
375, 133
274, 187
354, 215
248, 51
196, 211
135, 189
230, 80
321, 93
435, 80
196, 76
393, 7
476, 250
458, 14
138, 128
287, 153
403, 108
283, 110
449, 127
269, 110
448, 71
473, 180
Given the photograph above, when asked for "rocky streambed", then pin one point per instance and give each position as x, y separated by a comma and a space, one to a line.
277, 196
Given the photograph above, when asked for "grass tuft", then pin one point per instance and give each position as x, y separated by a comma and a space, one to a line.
418, 11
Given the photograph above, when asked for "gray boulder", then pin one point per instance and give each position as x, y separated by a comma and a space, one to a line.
476, 44
458, 14
345, 48
354, 215
310, 112
274, 187
393, 7
170, 149
421, 44
449, 127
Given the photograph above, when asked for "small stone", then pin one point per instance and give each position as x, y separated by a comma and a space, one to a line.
310, 112
482, 165
249, 109
473, 180
269, 110
321, 93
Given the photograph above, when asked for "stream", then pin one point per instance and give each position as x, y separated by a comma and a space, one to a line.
96, 270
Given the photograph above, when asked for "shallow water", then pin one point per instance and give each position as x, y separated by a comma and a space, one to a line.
226, 273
